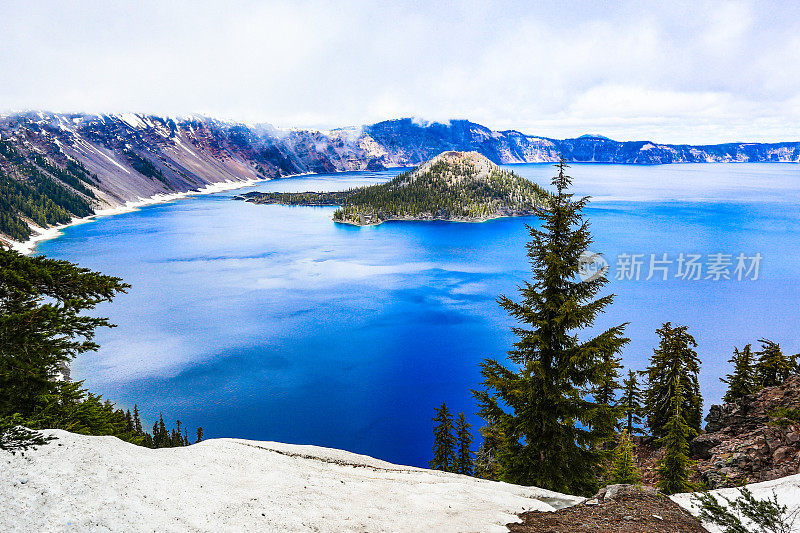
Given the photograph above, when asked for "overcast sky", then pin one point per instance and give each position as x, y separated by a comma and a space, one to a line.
665, 71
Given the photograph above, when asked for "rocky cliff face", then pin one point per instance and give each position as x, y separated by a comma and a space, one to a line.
754, 439
54, 167
138, 155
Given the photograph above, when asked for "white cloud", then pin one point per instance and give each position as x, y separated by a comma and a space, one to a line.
309, 272
698, 71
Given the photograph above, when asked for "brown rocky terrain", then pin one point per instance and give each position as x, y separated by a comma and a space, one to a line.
756, 438
615, 509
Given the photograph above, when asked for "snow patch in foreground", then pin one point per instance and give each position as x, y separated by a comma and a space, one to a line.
787, 489
80, 483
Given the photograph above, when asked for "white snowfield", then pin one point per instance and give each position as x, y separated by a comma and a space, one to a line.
787, 489
88, 484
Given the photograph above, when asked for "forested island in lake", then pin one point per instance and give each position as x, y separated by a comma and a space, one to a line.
457, 186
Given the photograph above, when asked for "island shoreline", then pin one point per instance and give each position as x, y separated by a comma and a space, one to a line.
435, 219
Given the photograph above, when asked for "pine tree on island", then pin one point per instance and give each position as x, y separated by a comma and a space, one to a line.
630, 403
674, 361
199, 435
444, 443
674, 469
743, 381
772, 367
464, 463
623, 464
541, 401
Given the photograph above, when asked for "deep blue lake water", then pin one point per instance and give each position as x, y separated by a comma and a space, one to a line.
274, 323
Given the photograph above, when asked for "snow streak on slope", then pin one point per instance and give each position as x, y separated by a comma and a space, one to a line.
79, 483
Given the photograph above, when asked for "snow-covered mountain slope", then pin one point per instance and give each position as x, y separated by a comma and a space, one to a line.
787, 489
80, 483
85, 164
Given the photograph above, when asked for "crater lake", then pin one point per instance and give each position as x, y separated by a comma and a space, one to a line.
272, 322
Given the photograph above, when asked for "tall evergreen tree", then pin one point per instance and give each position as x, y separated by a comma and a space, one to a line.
631, 403
674, 469
674, 361
464, 464
178, 440
623, 466
539, 403
444, 442
772, 367
129, 421
137, 423
163, 434
42, 327
743, 381
199, 435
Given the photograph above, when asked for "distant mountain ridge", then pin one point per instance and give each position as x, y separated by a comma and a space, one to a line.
406, 142
54, 167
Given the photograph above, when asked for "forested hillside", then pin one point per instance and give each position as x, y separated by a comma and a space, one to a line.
452, 186
35, 189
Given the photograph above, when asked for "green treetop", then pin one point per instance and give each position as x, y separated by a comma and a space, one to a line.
772, 367
605, 417
674, 469
674, 361
743, 380
464, 464
444, 443
631, 403
623, 467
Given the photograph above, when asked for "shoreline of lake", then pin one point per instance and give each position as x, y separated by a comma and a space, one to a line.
45, 234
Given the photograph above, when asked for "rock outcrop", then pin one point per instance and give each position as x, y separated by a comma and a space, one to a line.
615, 509
756, 438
